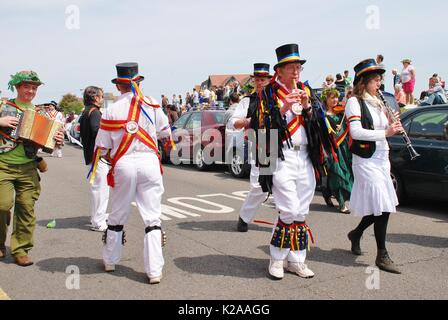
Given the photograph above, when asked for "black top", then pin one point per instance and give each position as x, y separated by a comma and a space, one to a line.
90, 124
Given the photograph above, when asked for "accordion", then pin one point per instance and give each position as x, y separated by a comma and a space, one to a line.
34, 127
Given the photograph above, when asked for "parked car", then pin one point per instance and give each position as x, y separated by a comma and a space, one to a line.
427, 175
204, 149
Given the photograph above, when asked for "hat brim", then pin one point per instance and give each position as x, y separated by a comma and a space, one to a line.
288, 62
37, 83
117, 81
379, 70
261, 76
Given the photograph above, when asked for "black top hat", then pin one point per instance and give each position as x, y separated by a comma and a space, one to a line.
261, 70
126, 72
288, 53
365, 67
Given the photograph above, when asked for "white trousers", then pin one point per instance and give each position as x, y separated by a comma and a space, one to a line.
254, 198
99, 196
137, 177
293, 190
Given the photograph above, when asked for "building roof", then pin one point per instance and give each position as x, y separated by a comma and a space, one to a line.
223, 79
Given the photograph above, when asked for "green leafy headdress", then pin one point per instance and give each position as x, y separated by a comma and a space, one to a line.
24, 76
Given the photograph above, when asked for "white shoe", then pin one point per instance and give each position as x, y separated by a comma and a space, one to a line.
155, 280
98, 229
109, 267
300, 269
276, 269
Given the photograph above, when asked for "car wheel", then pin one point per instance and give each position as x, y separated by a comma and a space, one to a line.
237, 167
398, 186
199, 160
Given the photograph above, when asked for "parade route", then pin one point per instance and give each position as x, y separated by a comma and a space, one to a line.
206, 258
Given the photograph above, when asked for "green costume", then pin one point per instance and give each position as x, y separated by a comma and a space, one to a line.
340, 175
19, 178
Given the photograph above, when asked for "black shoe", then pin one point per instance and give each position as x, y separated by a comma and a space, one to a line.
242, 226
385, 263
355, 240
329, 202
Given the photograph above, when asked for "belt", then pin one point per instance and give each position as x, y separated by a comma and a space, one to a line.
300, 147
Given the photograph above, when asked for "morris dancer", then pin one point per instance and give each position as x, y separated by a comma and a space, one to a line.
241, 120
285, 106
129, 131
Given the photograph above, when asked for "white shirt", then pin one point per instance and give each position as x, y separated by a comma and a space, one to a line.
119, 111
357, 132
406, 74
239, 113
299, 137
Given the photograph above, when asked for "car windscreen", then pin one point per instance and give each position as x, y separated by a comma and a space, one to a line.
219, 117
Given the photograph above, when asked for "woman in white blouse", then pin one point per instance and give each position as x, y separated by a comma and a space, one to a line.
373, 196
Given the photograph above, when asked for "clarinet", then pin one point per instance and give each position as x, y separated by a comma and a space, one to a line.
405, 136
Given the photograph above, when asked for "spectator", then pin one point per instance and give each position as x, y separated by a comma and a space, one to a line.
220, 96
340, 86
399, 95
435, 94
195, 99
165, 102
347, 79
329, 82
408, 80
379, 61
172, 114
441, 81
206, 95
397, 79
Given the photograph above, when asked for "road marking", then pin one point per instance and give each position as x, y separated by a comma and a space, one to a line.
222, 208
219, 195
3, 295
169, 209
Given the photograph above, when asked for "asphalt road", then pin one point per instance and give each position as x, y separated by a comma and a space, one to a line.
206, 258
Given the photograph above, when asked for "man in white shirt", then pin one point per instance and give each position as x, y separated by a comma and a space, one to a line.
128, 133
241, 120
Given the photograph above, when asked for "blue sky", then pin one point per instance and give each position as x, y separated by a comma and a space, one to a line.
179, 43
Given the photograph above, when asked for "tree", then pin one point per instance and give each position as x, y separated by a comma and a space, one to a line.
71, 103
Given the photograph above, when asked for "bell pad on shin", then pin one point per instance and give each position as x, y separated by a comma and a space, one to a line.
292, 236
164, 238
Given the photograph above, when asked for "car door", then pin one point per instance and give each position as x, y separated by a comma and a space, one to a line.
427, 175
179, 138
192, 135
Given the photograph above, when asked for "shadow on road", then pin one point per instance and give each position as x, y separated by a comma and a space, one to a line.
338, 257
426, 208
419, 240
89, 266
82, 223
219, 225
224, 265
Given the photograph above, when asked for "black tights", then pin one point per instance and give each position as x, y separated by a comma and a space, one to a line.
380, 228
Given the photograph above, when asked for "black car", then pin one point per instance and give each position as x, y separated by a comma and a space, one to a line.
427, 175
